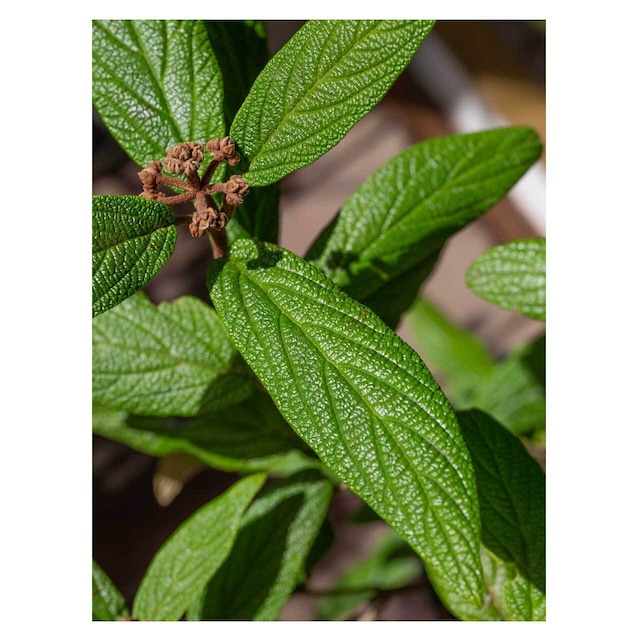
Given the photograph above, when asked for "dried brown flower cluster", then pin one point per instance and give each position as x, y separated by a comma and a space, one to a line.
185, 159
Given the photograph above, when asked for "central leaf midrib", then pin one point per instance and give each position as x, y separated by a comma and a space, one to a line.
141, 236
152, 72
376, 418
317, 81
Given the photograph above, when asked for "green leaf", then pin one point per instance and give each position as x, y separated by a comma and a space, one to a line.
511, 489
193, 553
328, 76
321, 545
171, 360
247, 437
132, 238
363, 400
277, 533
240, 46
513, 276
387, 567
156, 83
107, 602
389, 233
509, 390
513, 395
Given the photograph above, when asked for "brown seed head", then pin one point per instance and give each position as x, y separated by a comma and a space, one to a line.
236, 189
185, 157
224, 149
149, 178
202, 220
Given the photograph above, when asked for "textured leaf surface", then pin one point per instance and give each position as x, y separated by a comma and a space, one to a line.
390, 565
156, 83
388, 235
277, 533
328, 76
247, 437
193, 553
107, 602
511, 489
363, 400
513, 276
132, 239
175, 359
510, 390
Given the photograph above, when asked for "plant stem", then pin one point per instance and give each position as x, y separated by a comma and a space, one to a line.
173, 182
209, 172
183, 219
219, 242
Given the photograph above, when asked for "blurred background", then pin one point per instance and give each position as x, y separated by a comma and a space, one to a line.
467, 76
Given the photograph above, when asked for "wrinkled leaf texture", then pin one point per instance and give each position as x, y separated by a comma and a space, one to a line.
513, 276
328, 76
365, 403
156, 83
193, 553
386, 239
171, 360
132, 239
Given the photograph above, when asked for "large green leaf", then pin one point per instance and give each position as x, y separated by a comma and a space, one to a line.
328, 76
247, 437
510, 390
156, 83
511, 489
107, 602
513, 276
363, 400
277, 533
388, 235
193, 553
171, 360
388, 566
132, 238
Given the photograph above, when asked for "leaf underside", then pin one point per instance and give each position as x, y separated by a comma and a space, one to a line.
132, 240
363, 400
328, 76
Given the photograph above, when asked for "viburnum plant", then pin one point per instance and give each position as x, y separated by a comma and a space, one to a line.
295, 378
